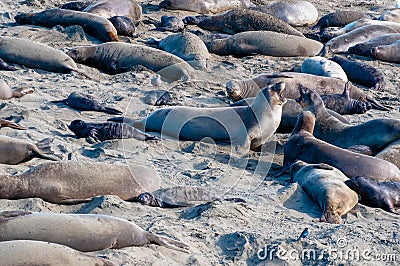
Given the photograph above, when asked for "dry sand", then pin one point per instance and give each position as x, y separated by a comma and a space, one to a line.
276, 211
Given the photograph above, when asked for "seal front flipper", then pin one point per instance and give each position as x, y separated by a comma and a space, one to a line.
168, 242
112, 111
93, 136
5, 66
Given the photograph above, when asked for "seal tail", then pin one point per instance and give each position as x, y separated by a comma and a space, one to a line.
112, 111
377, 105
44, 151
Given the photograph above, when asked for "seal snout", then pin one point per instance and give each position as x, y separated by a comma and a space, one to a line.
76, 126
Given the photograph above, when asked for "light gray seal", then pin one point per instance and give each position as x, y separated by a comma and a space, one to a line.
83, 232
318, 65
205, 6
111, 8
391, 15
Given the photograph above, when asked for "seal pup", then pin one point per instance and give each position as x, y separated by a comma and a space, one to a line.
302, 145
158, 97
325, 185
94, 25
339, 18
343, 42
388, 53
35, 55
365, 48
244, 127
205, 6
384, 195
6, 123
391, 15
15, 151
82, 232
28, 252
73, 182
98, 132
318, 65
85, 102
265, 43
242, 20
5, 66
241, 89
123, 25
362, 73
171, 23
376, 133
111, 8
343, 104
7, 93
127, 56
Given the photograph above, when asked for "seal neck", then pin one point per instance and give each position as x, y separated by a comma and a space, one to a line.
305, 122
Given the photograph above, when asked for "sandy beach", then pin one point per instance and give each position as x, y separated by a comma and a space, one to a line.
262, 230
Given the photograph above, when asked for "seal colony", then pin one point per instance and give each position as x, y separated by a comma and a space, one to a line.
87, 195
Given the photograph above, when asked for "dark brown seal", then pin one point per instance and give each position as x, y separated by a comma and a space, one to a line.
94, 25
241, 20
343, 104
97, 132
376, 133
73, 182
302, 145
365, 48
86, 102
384, 195
338, 19
388, 53
123, 25
362, 73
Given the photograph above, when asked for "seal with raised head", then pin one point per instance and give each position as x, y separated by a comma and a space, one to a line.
241, 89
72, 182
244, 127
302, 145
35, 55
85, 102
242, 20
205, 6
325, 185
30, 252
343, 104
15, 151
265, 43
126, 56
388, 53
376, 133
111, 8
82, 232
384, 195
318, 65
98, 132
362, 73
7, 93
94, 25
339, 18
343, 42
365, 48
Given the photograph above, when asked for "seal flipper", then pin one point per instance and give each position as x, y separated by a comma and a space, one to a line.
12, 214
168, 242
41, 148
18, 93
5, 123
377, 105
5, 66
112, 111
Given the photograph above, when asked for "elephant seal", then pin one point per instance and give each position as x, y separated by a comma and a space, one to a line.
82, 232
325, 186
175, 197
390, 153
35, 55
365, 48
77, 5
7, 93
187, 46
302, 145
241, 89
205, 6
362, 73
6, 123
320, 66
73, 182
85, 102
126, 56
94, 25
171, 23
343, 104
265, 43
123, 25
388, 53
244, 127
343, 42
242, 20
14, 151
98, 132
391, 15
111, 8
158, 97
5, 66
381, 131
338, 19
28, 252
384, 195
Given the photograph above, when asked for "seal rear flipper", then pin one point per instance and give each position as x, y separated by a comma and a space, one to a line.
112, 111
235, 200
168, 242
5, 66
42, 150
377, 105
12, 214
18, 93
6, 123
